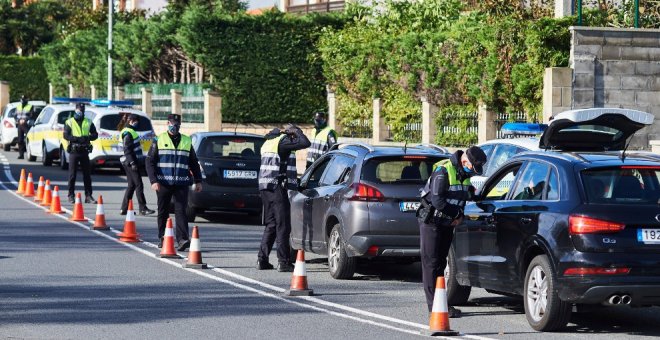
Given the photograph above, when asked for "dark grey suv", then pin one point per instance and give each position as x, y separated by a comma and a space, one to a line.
359, 201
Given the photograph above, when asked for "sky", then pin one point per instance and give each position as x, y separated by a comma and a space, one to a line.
261, 3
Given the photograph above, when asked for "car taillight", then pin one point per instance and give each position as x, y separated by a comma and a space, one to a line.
8, 124
363, 192
372, 251
586, 225
581, 271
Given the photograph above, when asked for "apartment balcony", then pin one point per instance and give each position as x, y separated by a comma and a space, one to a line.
311, 6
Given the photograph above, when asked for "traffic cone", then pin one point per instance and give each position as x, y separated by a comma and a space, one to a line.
56, 206
99, 222
29, 188
40, 190
439, 321
46, 202
129, 234
168, 242
299, 278
78, 214
195, 252
21, 183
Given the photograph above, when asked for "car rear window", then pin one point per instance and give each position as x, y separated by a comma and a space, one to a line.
623, 185
399, 169
37, 111
231, 146
111, 122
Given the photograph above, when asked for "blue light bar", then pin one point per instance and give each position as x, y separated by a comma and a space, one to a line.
523, 129
67, 100
119, 103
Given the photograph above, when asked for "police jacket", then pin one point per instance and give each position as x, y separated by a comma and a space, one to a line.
322, 140
449, 187
80, 133
280, 163
24, 113
172, 161
132, 148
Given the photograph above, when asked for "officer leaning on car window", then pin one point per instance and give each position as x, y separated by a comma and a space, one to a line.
172, 166
80, 132
323, 138
278, 173
130, 161
24, 114
442, 201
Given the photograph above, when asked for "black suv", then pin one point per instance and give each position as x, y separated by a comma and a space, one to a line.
580, 226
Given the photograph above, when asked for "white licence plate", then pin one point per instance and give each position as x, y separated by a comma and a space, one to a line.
240, 174
648, 235
408, 206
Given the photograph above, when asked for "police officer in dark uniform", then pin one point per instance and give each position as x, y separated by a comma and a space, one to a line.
172, 166
278, 173
80, 132
131, 160
441, 209
24, 113
323, 138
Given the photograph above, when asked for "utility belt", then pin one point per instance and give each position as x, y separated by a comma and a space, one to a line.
79, 148
429, 214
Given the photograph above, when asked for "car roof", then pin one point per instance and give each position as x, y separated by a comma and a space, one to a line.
371, 151
32, 102
529, 143
592, 159
99, 111
225, 134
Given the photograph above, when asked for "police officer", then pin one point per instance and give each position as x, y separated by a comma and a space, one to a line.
278, 173
131, 160
24, 113
323, 138
172, 166
80, 131
441, 209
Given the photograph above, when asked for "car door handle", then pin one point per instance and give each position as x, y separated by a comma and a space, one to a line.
326, 198
525, 220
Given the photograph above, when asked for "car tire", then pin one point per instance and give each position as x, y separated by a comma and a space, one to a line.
456, 294
544, 310
63, 163
191, 213
6, 147
341, 265
46, 158
28, 150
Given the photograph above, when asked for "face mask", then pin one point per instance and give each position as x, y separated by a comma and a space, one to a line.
24, 102
173, 129
319, 123
467, 170
78, 115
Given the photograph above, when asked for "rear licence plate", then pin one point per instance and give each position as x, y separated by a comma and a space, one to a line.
239, 174
408, 206
648, 236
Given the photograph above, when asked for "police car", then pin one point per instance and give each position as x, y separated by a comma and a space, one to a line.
8, 132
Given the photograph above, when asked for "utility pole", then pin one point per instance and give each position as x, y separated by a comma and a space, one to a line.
111, 6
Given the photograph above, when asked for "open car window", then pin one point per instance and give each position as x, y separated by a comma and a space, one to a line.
500, 185
533, 183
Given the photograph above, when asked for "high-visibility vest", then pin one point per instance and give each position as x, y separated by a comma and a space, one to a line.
22, 111
172, 167
137, 148
269, 171
76, 129
319, 144
458, 191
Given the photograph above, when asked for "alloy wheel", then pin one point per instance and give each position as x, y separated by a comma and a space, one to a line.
334, 247
537, 293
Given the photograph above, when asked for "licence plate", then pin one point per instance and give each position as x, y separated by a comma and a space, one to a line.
648, 236
239, 174
408, 206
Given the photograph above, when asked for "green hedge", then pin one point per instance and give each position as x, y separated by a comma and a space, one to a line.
26, 76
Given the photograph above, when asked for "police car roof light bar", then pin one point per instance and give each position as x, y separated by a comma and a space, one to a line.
70, 100
118, 103
522, 129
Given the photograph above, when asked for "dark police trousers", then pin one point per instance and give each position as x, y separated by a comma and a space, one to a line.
180, 194
81, 158
435, 241
22, 131
277, 220
134, 186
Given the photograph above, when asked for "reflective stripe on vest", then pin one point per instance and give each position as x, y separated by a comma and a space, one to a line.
172, 167
458, 192
22, 111
76, 129
137, 148
319, 144
269, 171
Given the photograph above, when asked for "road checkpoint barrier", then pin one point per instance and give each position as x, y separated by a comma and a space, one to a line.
40, 190
48, 195
56, 205
129, 235
99, 221
168, 250
299, 278
29, 187
195, 252
78, 214
439, 320
21, 183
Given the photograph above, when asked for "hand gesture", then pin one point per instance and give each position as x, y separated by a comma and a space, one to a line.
155, 187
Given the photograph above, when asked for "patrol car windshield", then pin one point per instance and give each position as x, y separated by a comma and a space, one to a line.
399, 169
231, 147
624, 185
111, 122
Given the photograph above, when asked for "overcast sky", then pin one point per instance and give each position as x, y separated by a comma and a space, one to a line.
260, 3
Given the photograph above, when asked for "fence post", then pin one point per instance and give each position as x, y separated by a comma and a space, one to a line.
212, 111
4, 93
176, 101
487, 129
332, 110
557, 91
51, 93
429, 110
146, 101
93, 90
119, 93
72, 91
563, 8
379, 128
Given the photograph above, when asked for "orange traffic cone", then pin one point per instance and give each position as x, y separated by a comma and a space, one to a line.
29, 186
78, 214
21, 183
439, 321
299, 278
46, 202
56, 206
129, 234
168, 242
195, 252
99, 222
40, 190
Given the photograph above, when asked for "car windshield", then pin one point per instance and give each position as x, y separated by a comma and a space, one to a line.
399, 169
111, 122
37, 111
231, 146
624, 185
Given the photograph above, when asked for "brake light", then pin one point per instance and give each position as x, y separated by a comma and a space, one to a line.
372, 251
100, 161
586, 225
651, 167
8, 124
363, 192
238, 141
414, 157
596, 271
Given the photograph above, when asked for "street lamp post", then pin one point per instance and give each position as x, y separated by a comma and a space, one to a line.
110, 10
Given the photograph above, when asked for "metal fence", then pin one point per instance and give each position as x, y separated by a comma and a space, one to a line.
458, 129
513, 117
358, 128
192, 100
411, 132
136, 98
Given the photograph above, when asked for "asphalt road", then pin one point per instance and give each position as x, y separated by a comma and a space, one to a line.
60, 280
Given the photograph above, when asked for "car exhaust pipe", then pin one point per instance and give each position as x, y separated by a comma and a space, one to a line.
626, 299
614, 300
